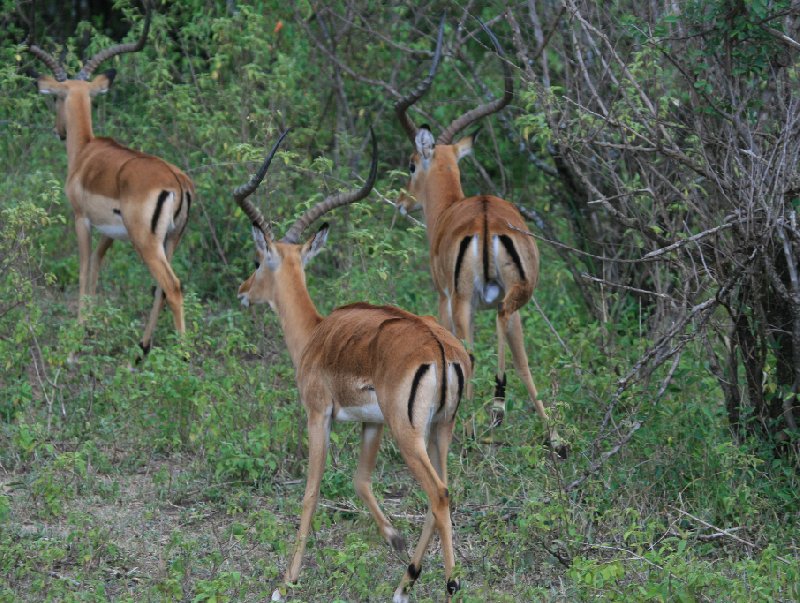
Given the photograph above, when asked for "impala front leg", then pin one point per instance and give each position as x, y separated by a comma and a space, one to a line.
84, 234
370, 443
95, 261
319, 427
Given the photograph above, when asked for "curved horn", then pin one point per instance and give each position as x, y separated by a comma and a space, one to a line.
334, 201
102, 56
419, 91
475, 114
58, 70
245, 190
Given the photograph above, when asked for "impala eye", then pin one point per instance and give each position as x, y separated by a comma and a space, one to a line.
412, 167
257, 263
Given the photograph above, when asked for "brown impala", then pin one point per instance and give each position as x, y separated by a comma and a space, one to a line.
480, 253
362, 363
122, 193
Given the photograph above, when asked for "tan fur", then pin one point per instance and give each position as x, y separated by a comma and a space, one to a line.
115, 190
435, 184
359, 357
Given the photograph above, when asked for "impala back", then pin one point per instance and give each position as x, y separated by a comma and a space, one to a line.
362, 354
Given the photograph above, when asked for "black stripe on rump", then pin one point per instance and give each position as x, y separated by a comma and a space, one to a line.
178, 210
462, 248
460, 377
417, 377
485, 240
188, 201
444, 377
162, 196
512, 251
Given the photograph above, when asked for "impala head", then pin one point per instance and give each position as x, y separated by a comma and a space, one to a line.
433, 166
72, 89
277, 261
80, 88
281, 264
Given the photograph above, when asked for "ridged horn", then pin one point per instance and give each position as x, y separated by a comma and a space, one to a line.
403, 104
461, 122
102, 56
333, 201
245, 190
58, 70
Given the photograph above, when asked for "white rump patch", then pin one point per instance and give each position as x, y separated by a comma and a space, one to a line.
369, 413
170, 200
491, 292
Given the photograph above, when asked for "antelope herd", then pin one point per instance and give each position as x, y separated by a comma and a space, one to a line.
373, 365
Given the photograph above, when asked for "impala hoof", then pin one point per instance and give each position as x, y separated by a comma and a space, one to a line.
453, 587
397, 541
497, 412
400, 596
558, 446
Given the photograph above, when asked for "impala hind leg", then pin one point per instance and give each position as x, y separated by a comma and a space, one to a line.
319, 426
158, 300
155, 257
464, 328
445, 315
513, 329
498, 411
431, 473
370, 443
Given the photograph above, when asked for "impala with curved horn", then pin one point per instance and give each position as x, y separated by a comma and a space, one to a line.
362, 363
481, 256
122, 193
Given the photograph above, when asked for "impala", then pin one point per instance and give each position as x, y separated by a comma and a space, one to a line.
362, 363
481, 254
122, 193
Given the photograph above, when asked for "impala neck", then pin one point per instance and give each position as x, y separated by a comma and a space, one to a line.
442, 189
298, 315
78, 113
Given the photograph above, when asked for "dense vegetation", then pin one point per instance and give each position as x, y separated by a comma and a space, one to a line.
653, 147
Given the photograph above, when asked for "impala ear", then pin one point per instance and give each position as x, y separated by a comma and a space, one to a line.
261, 241
464, 146
424, 142
315, 244
267, 253
49, 85
102, 82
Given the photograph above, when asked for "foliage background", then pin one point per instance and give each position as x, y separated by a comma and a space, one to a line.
181, 478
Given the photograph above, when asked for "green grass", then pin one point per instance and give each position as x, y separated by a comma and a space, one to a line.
181, 478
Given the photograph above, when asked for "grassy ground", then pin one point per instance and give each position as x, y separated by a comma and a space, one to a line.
180, 479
